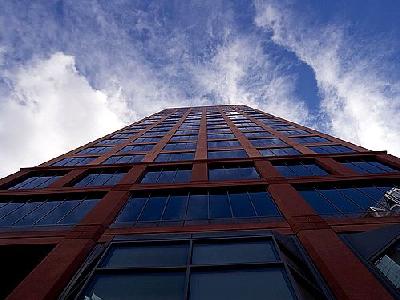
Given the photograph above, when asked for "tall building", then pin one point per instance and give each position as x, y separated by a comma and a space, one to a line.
216, 202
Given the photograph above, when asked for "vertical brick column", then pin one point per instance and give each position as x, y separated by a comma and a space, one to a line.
248, 147
200, 168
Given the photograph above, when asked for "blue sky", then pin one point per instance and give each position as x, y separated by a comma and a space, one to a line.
72, 71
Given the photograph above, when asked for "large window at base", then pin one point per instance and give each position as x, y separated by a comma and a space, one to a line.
201, 266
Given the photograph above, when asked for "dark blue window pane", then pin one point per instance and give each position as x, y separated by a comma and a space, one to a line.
39, 212
95, 150
374, 193
346, 206
279, 151
267, 142
175, 156
219, 206
35, 182
137, 148
180, 146
131, 210
223, 144
331, 149
58, 212
123, 159
229, 252
167, 176
228, 173
293, 170
115, 178
319, 203
241, 205
148, 286
264, 204
183, 137
97, 179
79, 211
198, 207
19, 211
74, 161
151, 177
268, 283
176, 208
368, 167
311, 139
358, 197
220, 136
154, 208
183, 175
257, 134
227, 154
145, 255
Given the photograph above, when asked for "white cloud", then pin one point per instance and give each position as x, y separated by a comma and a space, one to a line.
360, 101
242, 73
51, 110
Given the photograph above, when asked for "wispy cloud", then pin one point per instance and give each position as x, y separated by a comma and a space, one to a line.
360, 100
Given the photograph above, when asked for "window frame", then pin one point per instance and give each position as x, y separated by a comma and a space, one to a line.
189, 269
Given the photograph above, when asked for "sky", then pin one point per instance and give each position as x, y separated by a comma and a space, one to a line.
73, 71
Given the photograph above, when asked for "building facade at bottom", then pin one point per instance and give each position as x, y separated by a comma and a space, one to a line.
213, 202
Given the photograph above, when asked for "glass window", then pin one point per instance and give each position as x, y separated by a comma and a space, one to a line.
232, 172
343, 201
187, 132
389, 264
220, 136
147, 139
112, 141
331, 149
227, 154
184, 138
165, 157
48, 211
285, 151
218, 130
123, 159
95, 150
229, 252
180, 146
168, 175
257, 134
289, 169
240, 284
366, 166
147, 255
101, 178
149, 286
266, 142
151, 269
214, 205
73, 161
311, 140
137, 148
294, 132
121, 135
35, 182
250, 128
223, 144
